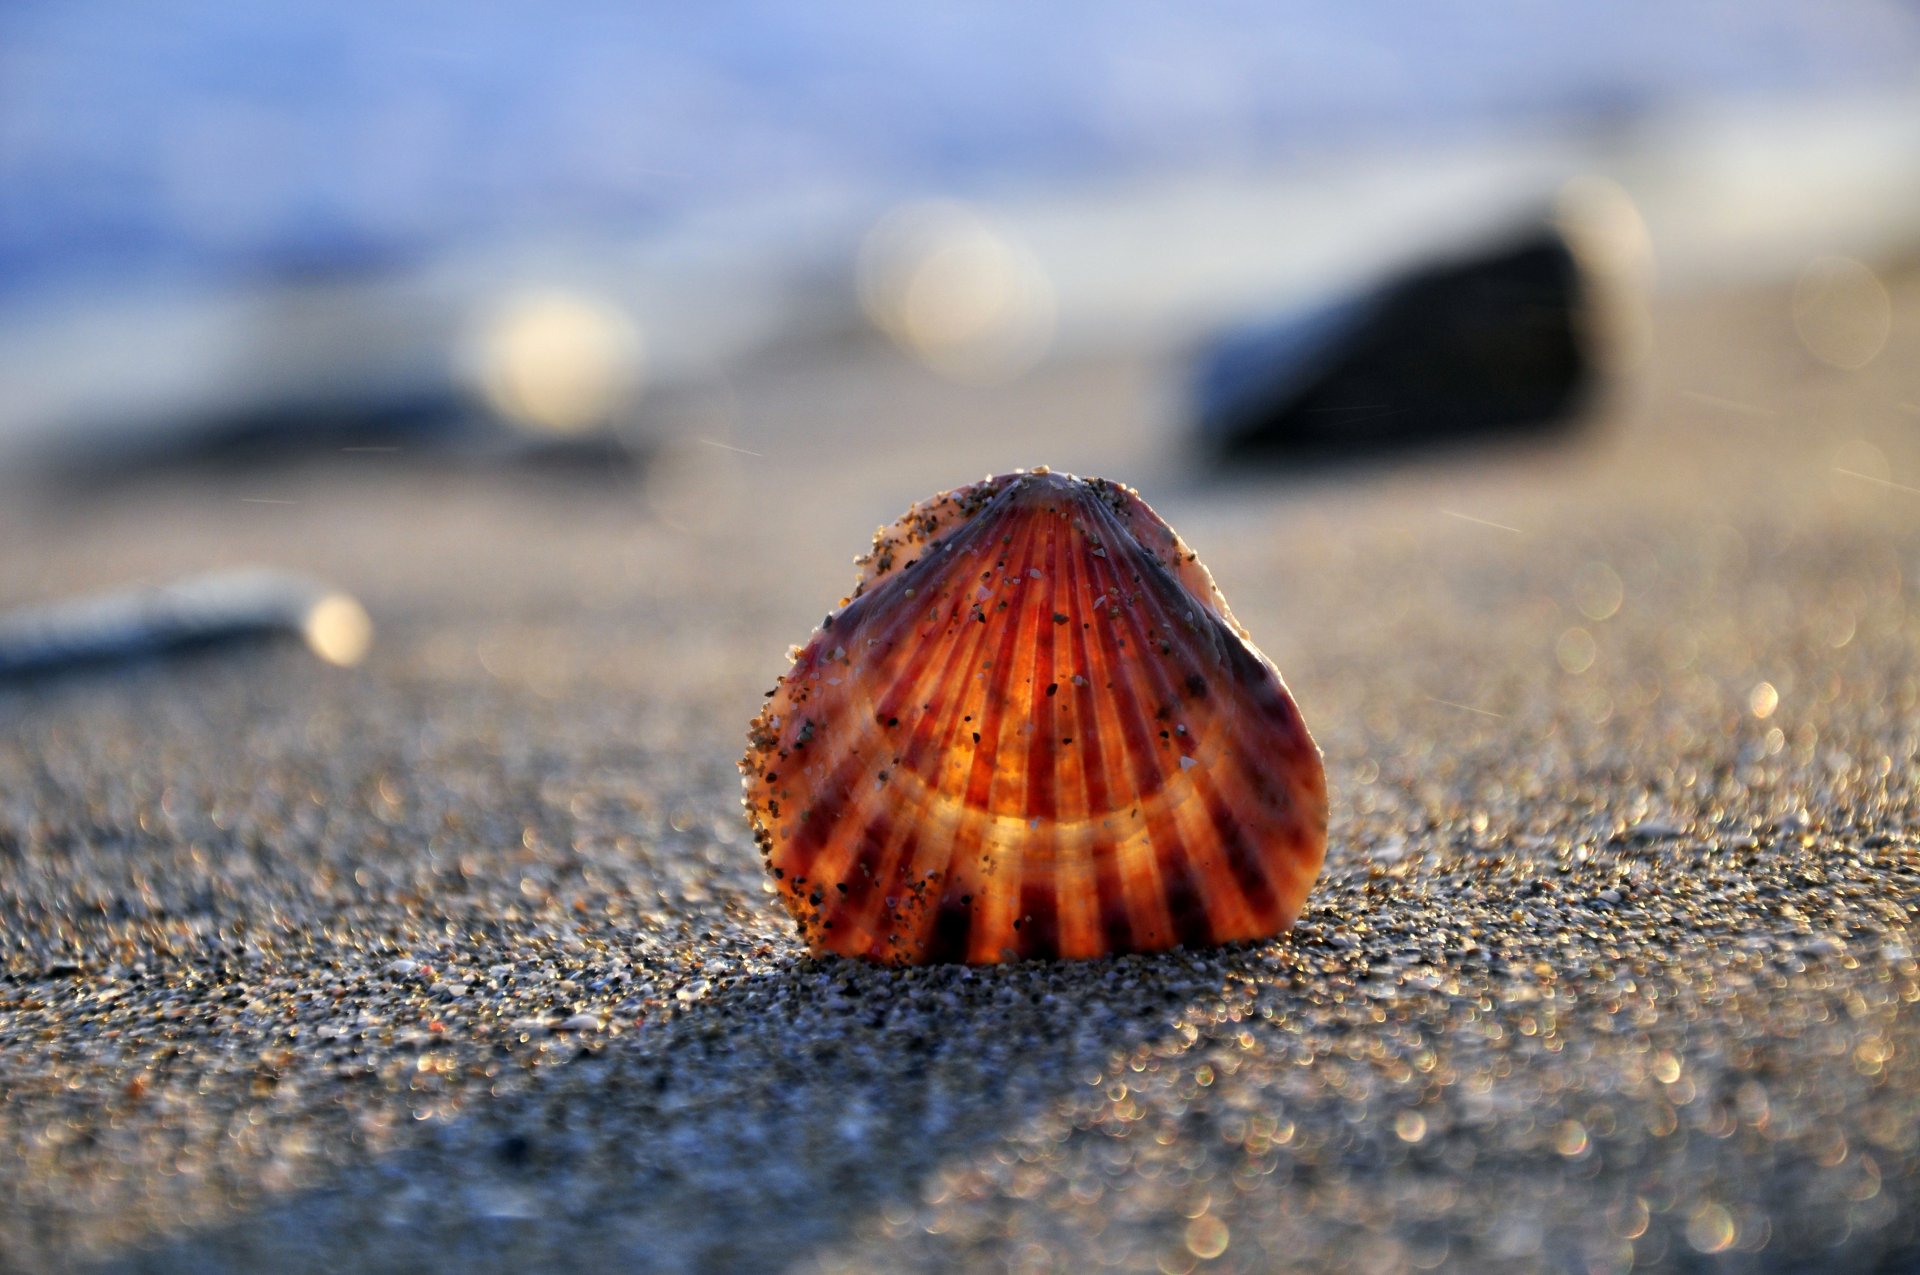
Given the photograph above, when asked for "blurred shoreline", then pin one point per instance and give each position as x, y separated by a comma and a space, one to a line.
1731, 194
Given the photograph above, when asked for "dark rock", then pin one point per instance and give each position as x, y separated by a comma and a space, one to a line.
197, 614
1486, 345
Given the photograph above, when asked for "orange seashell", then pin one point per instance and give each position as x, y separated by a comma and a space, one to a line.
1034, 730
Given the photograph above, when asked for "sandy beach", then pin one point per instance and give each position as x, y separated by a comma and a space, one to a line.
463, 959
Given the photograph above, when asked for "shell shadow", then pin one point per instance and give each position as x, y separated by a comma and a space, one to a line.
753, 1129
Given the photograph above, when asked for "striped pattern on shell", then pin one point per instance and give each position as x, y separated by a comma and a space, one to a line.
1035, 730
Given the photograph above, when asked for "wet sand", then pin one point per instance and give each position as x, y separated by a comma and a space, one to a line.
462, 959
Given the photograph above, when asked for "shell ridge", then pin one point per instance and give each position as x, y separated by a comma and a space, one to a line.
1195, 919
822, 822
863, 875
1246, 744
1146, 887
913, 684
989, 923
1250, 876
868, 835
950, 929
1280, 735
883, 933
1041, 798
924, 526
1132, 508
1252, 872
1131, 906
875, 840
1237, 657
1202, 817
876, 588
859, 830
953, 822
949, 689
1115, 919
1039, 908
817, 823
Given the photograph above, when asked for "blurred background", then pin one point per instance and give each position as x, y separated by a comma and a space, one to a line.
286, 228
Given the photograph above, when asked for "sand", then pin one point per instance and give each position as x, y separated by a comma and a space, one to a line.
462, 959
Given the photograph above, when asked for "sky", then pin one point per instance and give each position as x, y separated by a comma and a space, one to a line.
206, 142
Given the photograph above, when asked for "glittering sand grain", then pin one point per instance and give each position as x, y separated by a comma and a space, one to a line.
462, 959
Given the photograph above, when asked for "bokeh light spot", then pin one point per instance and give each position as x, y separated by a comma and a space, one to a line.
1710, 1228
1598, 591
557, 361
956, 292
1842, 312
1576, 650
1207, 1237
338, 630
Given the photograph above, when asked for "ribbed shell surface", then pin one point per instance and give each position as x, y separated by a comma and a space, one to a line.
1034, 731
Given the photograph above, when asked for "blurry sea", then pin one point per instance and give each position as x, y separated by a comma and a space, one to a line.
163, 166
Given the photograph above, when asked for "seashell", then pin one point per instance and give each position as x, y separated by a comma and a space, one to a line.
1034, 730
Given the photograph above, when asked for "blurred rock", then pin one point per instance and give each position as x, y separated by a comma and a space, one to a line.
1487, 345
410, 435
223, 609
